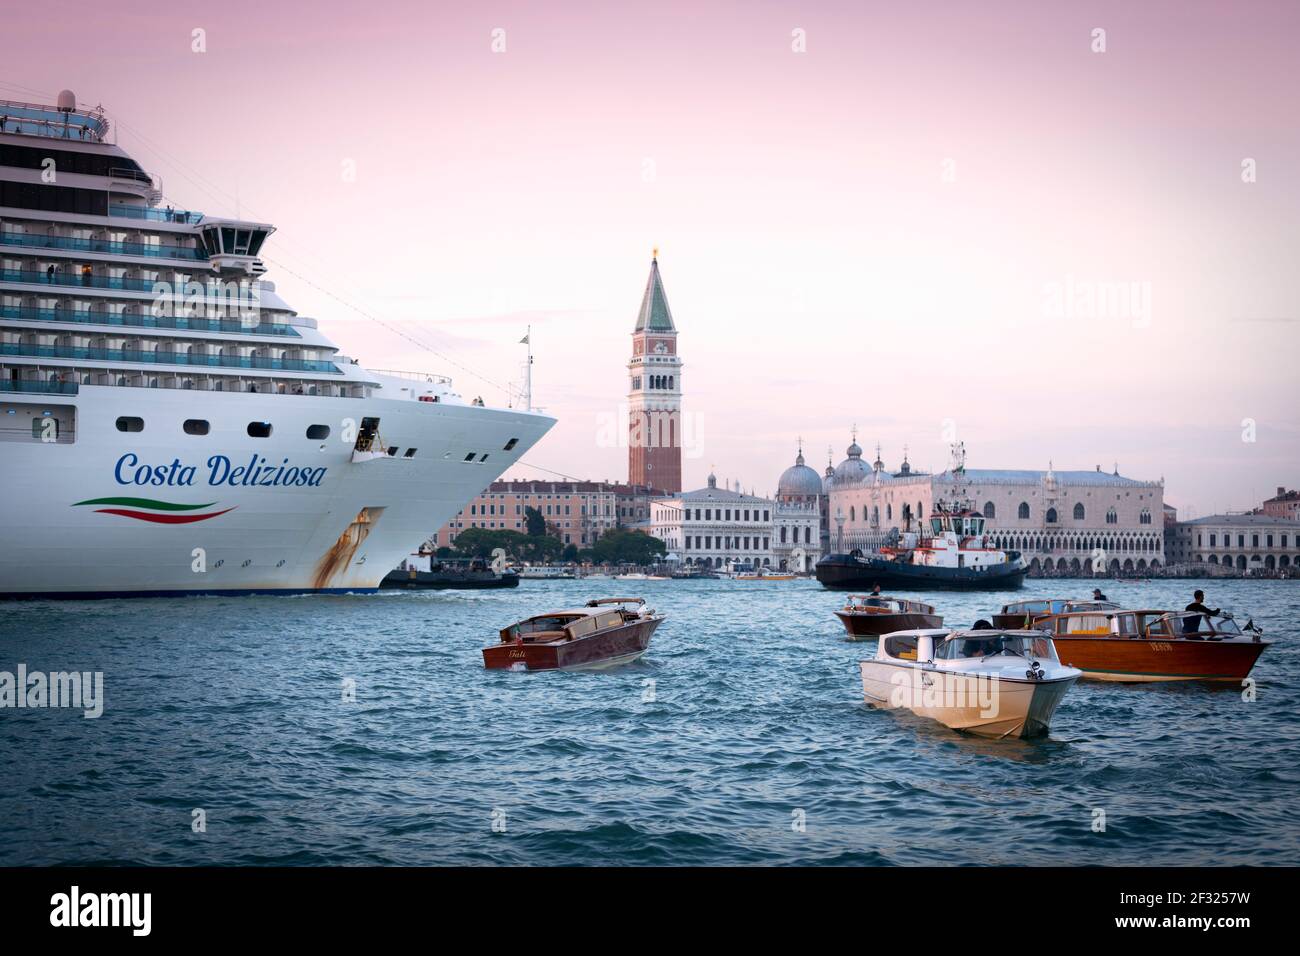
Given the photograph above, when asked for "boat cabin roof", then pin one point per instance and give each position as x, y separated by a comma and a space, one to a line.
928, 644
1056, 606
887, 603
572, 622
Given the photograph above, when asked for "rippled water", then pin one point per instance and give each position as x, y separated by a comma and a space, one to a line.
236, 706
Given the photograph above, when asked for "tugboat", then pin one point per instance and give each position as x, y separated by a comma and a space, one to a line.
869, 615
603, 633
955, 553
986, 682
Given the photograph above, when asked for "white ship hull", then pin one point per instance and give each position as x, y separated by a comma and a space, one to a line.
76, 523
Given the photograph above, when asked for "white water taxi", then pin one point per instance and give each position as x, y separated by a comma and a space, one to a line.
987, 682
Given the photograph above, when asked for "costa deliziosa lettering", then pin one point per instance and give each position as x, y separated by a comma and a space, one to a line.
219, 471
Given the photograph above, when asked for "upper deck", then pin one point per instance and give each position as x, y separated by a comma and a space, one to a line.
64, 121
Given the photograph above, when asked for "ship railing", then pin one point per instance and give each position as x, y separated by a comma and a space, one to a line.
161, 357
109, 246
82, 279
23, 313
38, 388
166, 214
427, 378
32, 119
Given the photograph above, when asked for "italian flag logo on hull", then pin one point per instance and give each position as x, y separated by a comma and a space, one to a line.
150, 509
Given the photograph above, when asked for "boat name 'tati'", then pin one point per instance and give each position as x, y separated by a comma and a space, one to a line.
219, 471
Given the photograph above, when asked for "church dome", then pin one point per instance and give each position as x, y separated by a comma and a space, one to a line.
853, 468
799, 481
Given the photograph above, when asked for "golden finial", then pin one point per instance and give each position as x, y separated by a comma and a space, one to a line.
654, 253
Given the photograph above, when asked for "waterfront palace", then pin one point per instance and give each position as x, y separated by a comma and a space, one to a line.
1061, 521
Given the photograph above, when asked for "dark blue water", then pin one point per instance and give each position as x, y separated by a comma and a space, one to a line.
236, 706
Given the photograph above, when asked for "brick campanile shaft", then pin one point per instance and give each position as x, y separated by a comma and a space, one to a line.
654, 453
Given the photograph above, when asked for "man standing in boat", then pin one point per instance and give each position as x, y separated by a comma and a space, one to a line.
1193, 624
1199, 607
1098, 596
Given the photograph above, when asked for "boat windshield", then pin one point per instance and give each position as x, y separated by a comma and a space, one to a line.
1192, 622
875, 603
547, 623
1035, 607
967, 647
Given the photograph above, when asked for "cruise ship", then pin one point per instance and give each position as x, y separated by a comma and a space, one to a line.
169, 425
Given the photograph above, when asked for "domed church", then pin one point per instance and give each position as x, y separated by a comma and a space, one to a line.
797, 525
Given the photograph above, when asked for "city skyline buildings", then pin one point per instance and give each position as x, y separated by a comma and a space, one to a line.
832, 219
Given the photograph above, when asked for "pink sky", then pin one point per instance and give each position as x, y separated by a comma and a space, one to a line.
821, 271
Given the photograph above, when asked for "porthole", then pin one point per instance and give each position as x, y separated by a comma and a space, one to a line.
511, 444
195, 426
410, 453
469, 457
129, 423
259, 429
318, 432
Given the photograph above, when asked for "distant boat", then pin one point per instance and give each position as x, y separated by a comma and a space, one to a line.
867, 616
546, 572
640, 576
986, 682
765, 575
424, 572
603, 633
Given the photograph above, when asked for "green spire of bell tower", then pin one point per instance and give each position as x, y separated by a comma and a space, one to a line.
655, 316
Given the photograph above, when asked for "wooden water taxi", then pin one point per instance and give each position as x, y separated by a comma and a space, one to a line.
867, 616
603, 633
1027, 614
1135, 646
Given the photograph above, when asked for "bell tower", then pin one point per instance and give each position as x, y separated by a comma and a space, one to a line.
654, 453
